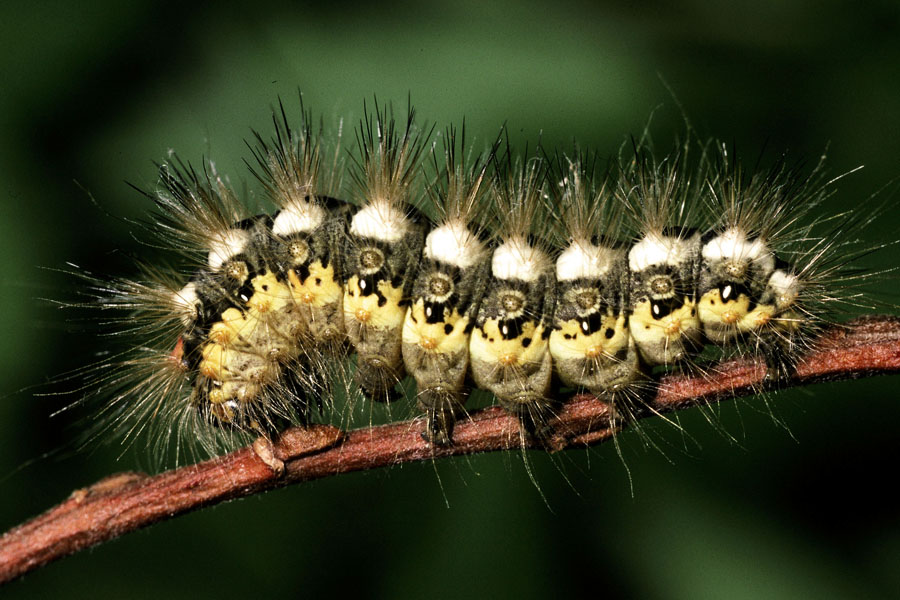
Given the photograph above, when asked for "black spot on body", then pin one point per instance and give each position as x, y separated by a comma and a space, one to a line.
663, 308
434, 312
510, 329
448, 329
526, 342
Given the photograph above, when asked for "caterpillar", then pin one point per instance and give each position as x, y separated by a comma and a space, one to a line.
524, 278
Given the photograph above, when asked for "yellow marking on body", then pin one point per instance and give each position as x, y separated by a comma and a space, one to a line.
789, 321
579, 345
221, 334
677, 324
431, 336
390, 315
501, 349
328, 291
269, 295
715, 314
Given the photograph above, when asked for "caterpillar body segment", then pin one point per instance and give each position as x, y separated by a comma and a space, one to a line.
760, 289
380, 280
509, 347
436, 332
383, 250
451, 282
733, 287
590, 342
753, 215
308, 238
664, 260
232, 367
248, 349
312, 262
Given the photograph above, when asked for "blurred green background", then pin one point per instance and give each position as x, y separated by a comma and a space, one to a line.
95, 93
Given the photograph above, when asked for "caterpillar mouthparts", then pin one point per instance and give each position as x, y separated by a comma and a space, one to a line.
463, 271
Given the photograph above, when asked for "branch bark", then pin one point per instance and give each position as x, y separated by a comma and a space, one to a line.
127, 501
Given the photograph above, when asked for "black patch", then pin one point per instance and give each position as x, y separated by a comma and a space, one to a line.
448, 329
510, 329
437, 310
592, 324
526, 342
662, 308
302, 272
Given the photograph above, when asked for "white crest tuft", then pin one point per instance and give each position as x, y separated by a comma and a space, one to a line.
733, 244
228, 245
454, 244
380, 220
585, 261
655, 250
298, 216
517, 259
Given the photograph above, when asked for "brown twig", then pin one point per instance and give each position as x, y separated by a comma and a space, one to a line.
128, 501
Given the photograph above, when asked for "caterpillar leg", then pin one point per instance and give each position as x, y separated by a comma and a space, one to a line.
442, 408
265, 450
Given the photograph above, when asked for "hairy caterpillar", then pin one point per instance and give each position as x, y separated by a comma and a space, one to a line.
518, 278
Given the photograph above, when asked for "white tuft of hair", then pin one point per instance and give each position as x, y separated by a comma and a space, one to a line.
517, 259
298, 216
454, 244
228, 245
786, 287
380, 220
732, 244
583, 260
185, 301
655, 250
